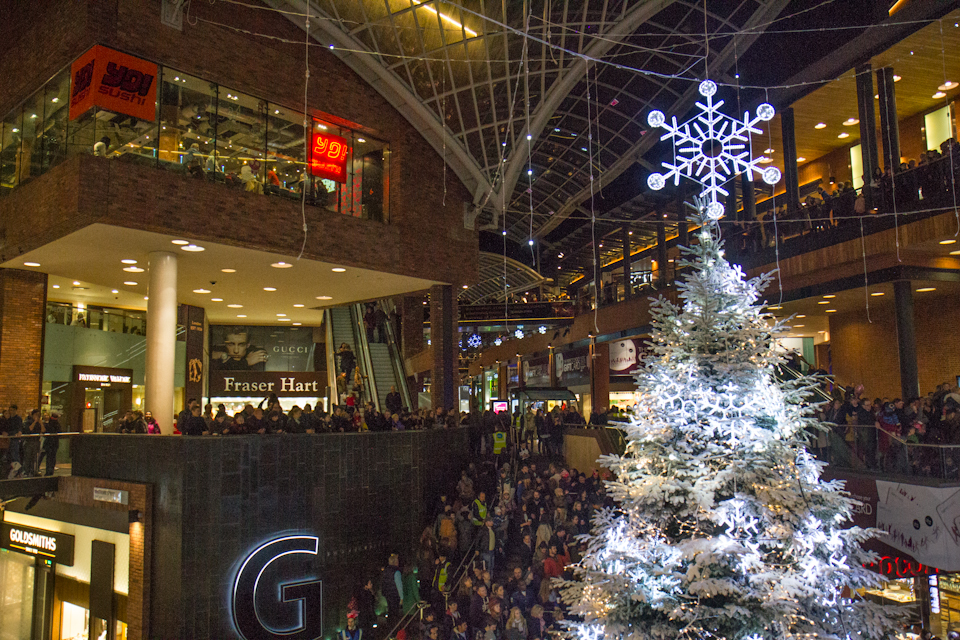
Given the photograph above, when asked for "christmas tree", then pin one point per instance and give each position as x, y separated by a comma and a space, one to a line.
723, 527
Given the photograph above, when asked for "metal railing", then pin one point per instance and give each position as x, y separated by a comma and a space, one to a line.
870, 449
363, 347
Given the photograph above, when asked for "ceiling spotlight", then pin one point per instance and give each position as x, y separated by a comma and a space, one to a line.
298, 306
801, 159
797, 326
128, 261
824, 302
877, 294
31, 264
820, 125
338, 269
228, 270
192, 247
111, 291
56, 286
180, 242
285, 320
201, 291
844, 135
849, 122
133, 269
269, 288
946, 86
240, 315
131, 283
216, 299
926, 289
281, 315
801, 315
897, 78
466, 286
330, 298
235, 306
831, 310
950, 241
76, 283
938, 95
281, 265
770, 150
955, 253
297, 324
830, 295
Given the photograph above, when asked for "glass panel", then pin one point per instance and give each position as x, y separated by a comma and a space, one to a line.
369, 167
10, 151
31, 147
82, 136
133, 139
188, 117
286, 153
241, 139
938, 127
16, 595
74, 622
57, 106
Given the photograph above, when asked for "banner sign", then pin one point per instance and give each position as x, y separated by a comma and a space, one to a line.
536, 372
626, 357
572, 368
328, 157
252, 348
36, 542
192, 319
115, 81
254, 384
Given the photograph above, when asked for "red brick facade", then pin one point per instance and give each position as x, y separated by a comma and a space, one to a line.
23, 296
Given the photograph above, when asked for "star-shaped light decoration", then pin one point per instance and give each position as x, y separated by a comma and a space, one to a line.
711, 148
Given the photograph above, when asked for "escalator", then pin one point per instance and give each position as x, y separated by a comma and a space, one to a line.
381, 365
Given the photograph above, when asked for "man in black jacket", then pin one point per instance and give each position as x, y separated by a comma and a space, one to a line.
195, 425
394, 402
51, 443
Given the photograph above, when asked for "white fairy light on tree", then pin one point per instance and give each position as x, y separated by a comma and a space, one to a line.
723, 528
711, 148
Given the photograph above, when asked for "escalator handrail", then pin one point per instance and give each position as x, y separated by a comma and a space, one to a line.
360, 339
331, 360
396, 358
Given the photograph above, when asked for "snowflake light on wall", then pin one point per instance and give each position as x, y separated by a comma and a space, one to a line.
711, 148
474, 341
519, 334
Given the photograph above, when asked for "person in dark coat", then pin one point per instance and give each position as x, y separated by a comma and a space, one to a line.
195, 425
51, 442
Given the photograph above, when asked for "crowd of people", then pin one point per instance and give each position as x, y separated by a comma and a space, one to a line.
886, 433
485, 568
33, 442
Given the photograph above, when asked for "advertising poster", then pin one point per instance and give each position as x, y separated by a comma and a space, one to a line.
626, 357
249, 348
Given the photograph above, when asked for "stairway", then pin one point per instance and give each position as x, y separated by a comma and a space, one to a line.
342, 325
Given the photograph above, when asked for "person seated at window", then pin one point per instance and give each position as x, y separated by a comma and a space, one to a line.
100, 148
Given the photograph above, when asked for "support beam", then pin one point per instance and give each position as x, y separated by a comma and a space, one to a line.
791, 175
889, 127
868, 130
627, 262
906, 339
444, 382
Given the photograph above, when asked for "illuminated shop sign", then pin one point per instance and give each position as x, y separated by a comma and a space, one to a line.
328, 157
900, 567
37, 542
115, 81
241, 384
270, 599
96, 377
934, 594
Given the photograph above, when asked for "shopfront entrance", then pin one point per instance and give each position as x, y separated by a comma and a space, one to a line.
98, 397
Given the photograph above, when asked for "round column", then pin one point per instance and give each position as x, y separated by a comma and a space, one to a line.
161, 338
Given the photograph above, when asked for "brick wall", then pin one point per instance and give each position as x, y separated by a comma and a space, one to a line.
23, 297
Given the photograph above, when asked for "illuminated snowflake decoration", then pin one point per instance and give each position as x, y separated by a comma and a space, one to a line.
474, 341
498, 342
519, 334
542, 329
711, 148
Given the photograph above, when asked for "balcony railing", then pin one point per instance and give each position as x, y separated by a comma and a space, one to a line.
869, 449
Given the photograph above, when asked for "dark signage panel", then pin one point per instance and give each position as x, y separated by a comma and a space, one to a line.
246, 384
36, 542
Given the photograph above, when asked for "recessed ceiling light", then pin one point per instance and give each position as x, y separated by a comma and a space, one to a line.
240, 315
776, 307
146, 297
285, 320
31, 264
269, 288
56, 286
133, 269
844, 135
764, 160
466, 286
849, 122
926, 289
955, 253
128, 261
192, 247
297, 324
76, 283
216, 299
281, 265
831, 310
229, 270
950, 241
361, 140
281, 315
768, 151
897, 78
801, 159
801, 315
797, 326
235, 306
338, 269
820, 125
946, 86
180, 242
131, 283
830, 295
324, 298
298, 306
823, 302
201, 290
115, 291
938, 95
877, 294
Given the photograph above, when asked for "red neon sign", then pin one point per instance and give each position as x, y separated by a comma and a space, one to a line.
328, 157
900, 567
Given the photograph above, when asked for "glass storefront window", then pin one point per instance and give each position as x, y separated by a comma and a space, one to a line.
56, 102
31, 146
368, 172
188, 117
10, 151
242, 138
16, 595
286, 152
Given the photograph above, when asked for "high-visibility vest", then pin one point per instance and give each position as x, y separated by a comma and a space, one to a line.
440, 580
499, 442
481, 515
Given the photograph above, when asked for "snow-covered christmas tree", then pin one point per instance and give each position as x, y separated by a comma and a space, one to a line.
723, 527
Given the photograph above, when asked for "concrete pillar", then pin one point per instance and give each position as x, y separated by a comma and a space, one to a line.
444, 336
868, 129
23, 299
889, 127
161, 337
791, 175
662, 252
906, 339
627, 262
599, 377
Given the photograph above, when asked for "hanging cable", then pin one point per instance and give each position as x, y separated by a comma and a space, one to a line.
307, 131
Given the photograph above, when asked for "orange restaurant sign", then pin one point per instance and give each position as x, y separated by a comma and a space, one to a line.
115, 81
